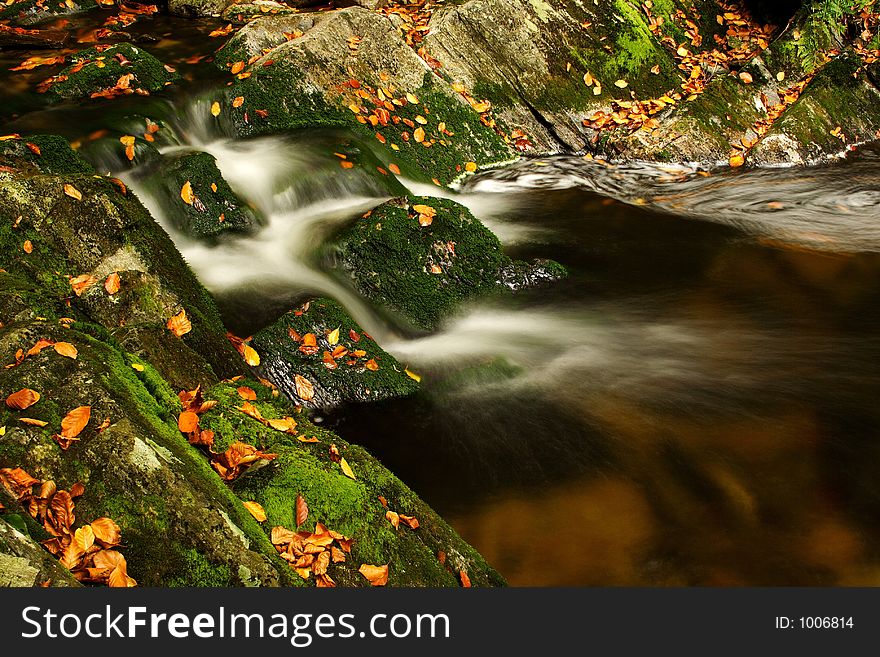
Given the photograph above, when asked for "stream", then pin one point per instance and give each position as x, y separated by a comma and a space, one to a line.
695, 405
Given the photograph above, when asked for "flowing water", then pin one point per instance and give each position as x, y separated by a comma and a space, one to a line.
695, 405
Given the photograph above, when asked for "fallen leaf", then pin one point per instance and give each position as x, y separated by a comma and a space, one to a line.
187, 422
376, 575
393, 518
746, 77
471, 167
411, 521
179, 325
302, 510
247, 393
137, 367
27, 247
65, 349
251, 357
256, 511
346, 469
737, 160
465, 580
622, 84
75, 421
32, 422
81, 283
215, 108
304, 388
106, 532
415, 377
186, 193
112, 284
24, 398
73, 192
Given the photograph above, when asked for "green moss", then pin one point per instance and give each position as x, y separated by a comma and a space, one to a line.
26, 12
197, 570
55, 155
102, 69
350, 380
215, 208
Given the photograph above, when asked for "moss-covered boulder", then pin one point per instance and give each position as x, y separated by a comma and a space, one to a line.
344, 364
197, 199
41, 154
101, 70
85, 228
23, 561
337, 73
422, 273
245, 11
309, 464
197, 8
30, 12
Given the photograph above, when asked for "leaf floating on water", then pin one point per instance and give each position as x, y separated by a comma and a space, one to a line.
256, 510
346, 469
24, 398
186, 193
179, 325
376, 575
302, 510
73, 192
65, 349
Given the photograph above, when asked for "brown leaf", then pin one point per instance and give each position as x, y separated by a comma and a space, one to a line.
376, 575
321, 563
179, 325
247, 393
66, 349
80, 284
465, 580
107, 532
75, 421
302, 510
119, 577
112, 284
256, 510
410, 521
393, 518
24, 398
304, 388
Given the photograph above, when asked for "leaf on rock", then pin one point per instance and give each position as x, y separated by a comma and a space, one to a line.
251, 357
75, 421
24, 398
256, 510
304, 388
179, 325
112, 284
302, 510
80, 284
73, 192
186, 193
346, 469
66, 349
376, 575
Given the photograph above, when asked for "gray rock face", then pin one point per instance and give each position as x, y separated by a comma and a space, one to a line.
197, 8
24, 563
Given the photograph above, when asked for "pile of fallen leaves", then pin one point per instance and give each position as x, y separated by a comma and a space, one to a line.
89, 551
310, 553
237, 458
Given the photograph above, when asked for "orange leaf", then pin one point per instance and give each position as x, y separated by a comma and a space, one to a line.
251, 357
470, 167
73, 192
75, 421
179, 325
28, 246
419, 134
393, 518
246, 393
465, 580
410, 521
32, 422
24, 398
187, 422
376, 575
256, 511
106, 532
302, 510
237, 68
66, 349
238, 101
737, 160
111, 284
80, 284
186, 193
746, 77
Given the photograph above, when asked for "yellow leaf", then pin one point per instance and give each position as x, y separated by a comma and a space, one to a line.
137, 367
415, 377
333, 336
412, 99
250, 354
186, 193
256, 511
127, 140
346, 469
621, 84
73, 192
737, 160
215, 108
470, 166
376, 575
419, 134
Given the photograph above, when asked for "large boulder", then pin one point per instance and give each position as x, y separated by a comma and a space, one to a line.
31, 12
422, 257
344, 364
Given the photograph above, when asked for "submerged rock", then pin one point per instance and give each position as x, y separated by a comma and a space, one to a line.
423, 272
360, 370
99, 71
197, 199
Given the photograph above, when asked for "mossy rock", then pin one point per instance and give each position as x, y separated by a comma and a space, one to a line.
349, 506
42, 154
351, 378
215, 209
96, 69
29, 12
107, 231
422, 273
138, 469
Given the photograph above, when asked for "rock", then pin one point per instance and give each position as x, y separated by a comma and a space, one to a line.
197, 8
351, 378
16, 37
244, 12
315, 80
95, 72
23, 561
260, 34
30, 12
42, 154
366, 4
423, 273
214, 208
345, 505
